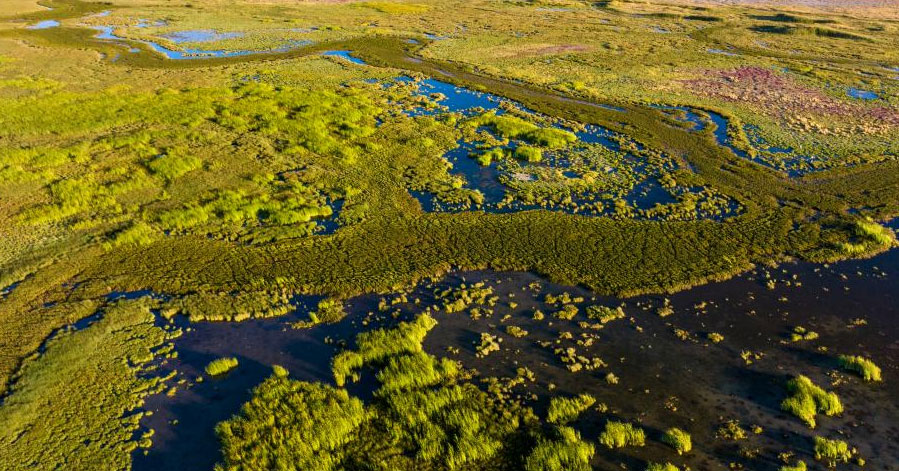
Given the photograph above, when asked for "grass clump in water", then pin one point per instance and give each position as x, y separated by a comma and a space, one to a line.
832, 452
661, 467
563, 410
604, 313
871, 230
566, 452
377, 345
863, 366
678, 439
421, 417
806, 400
621, 434
528, 153
109, 365
221, 366
799, 466
322, 418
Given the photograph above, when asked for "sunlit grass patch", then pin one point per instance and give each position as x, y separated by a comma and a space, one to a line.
833, 451
220, 366
807, 400
678, 439
621, 434
563, 410
861, 365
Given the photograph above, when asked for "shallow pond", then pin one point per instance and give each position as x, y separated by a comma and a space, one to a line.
722, 52
200, 36
668, 371
488, 179
108, 33
345, 55
44, 24
861, 94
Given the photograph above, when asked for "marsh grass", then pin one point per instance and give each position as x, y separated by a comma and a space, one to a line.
220, 366
807, 400
566, 452
678, 439
862, 366
622, 434
99, 375
832, 452
563, 410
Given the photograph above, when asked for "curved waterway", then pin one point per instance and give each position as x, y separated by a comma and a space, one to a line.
851, 305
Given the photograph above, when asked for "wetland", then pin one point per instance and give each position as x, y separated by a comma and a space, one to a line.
485, 235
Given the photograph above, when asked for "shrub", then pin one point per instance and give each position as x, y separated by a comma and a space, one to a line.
489, 344
863, 366
323, 420
801, 333
832, 451
678, 439
869, 229
807, 400
414, 370
565, 453
566, 409
138, 233
328, 311
550, 137
731, 430
516, 331
620, 434
661, 467
174, 163
799, 466
604, 313
567, 312
528, 153
221, 366
377, 345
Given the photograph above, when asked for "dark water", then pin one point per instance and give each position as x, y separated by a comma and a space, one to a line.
664, 381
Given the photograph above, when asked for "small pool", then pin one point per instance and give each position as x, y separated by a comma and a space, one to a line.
46, 24
862, 94
108, 33
200, 36
345, 55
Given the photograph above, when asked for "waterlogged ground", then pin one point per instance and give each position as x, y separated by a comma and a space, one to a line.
669, 369
184, 184
597, 172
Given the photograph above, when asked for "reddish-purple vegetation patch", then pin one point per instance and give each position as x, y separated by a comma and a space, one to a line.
775, 93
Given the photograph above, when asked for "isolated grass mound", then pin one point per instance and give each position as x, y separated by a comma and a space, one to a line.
863, 366
678, 439
807, 400
621, 434
221, 366
566, 409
